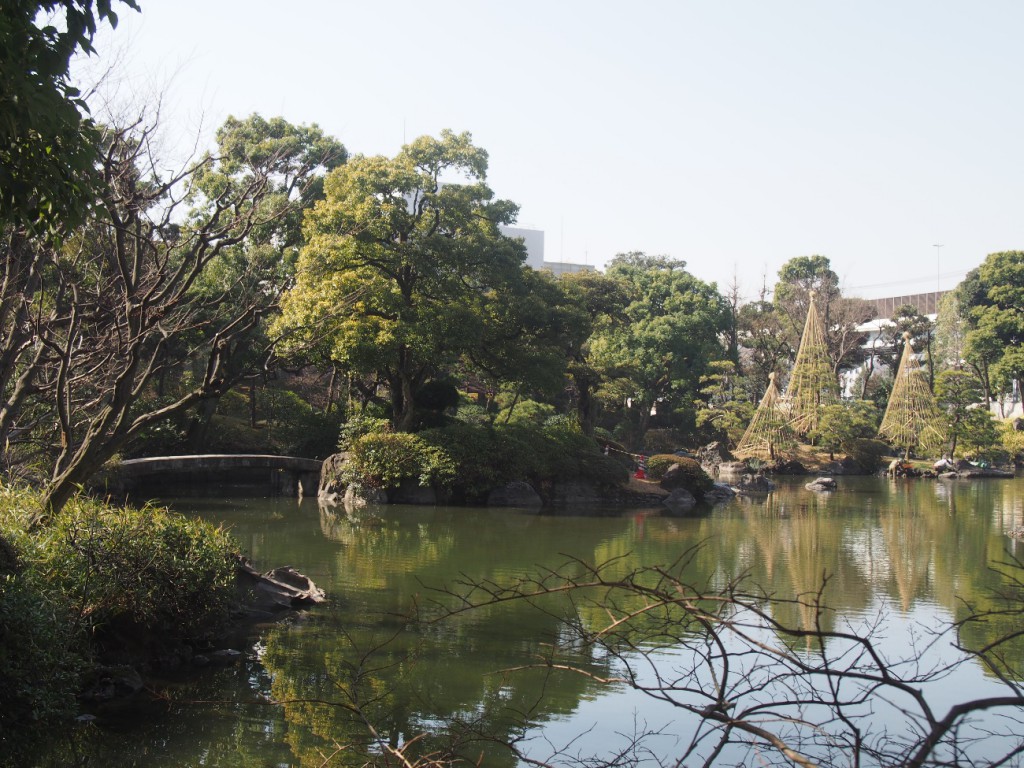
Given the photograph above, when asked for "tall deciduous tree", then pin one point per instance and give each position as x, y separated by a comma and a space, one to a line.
138, 291
430, 276
672, 332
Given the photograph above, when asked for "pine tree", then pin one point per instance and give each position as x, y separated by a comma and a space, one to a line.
812, 383
912, 418
769, 434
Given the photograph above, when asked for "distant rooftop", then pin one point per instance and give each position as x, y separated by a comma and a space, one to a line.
926, 303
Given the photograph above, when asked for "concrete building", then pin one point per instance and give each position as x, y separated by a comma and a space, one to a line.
533, 239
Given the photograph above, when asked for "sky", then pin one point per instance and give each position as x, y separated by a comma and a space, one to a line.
731, 134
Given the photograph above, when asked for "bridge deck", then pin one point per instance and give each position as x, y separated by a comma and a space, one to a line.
215, 461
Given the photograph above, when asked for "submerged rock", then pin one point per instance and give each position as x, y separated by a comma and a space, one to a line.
821, 484
357, 496
114, 682
719, 492
754, 484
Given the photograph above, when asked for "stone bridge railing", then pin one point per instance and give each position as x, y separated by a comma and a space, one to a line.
279, 474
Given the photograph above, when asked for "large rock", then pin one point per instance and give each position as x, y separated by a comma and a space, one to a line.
357, 496
821, 484
680, 500
112, 682
719, 492
754, 484
686, 474
279, 589
976, 472
844, 466
331, 484
788, 467
575, 493
732, 468
712, 456
515, 494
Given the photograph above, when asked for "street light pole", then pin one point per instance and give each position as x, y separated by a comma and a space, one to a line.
938, 274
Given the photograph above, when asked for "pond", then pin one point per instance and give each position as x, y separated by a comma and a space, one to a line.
906, 557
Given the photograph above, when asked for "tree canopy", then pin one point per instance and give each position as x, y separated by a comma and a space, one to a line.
48, 145
406, 272
673, 321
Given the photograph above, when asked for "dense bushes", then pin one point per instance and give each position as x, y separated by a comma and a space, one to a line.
87, 583
472, 459
385, 459
691, 475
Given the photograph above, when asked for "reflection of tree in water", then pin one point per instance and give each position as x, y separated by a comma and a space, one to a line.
787, 543
409, 679
422, 674
906, 535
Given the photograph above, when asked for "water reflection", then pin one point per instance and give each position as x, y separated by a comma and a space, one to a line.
912, 548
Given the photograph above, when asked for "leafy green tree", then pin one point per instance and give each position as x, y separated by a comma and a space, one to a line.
981, 433
657, 357
48, 146
593, 300
841, 424
982, 349
404, 276
957, 392
723, 409
993, 299
1008, 372
290, 160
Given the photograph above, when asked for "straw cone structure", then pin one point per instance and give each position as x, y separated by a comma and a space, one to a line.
812, 383
911, 418
768, 434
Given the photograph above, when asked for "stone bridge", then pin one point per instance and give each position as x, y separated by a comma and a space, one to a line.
184, 475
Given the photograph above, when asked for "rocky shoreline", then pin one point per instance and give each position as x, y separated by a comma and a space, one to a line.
671, 493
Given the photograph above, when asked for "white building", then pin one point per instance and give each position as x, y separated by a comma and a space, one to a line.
533, 239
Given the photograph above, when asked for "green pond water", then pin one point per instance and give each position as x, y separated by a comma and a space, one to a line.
906, 553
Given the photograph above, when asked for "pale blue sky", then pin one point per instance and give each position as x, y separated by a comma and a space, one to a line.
733, 134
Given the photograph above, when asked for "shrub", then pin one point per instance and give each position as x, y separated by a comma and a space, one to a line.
485, 458
168, 577
481, 460
691, 475
658, 463
66, 588
40, 663
1012, 439
526, 412
868, 453
359, 424
385, 459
